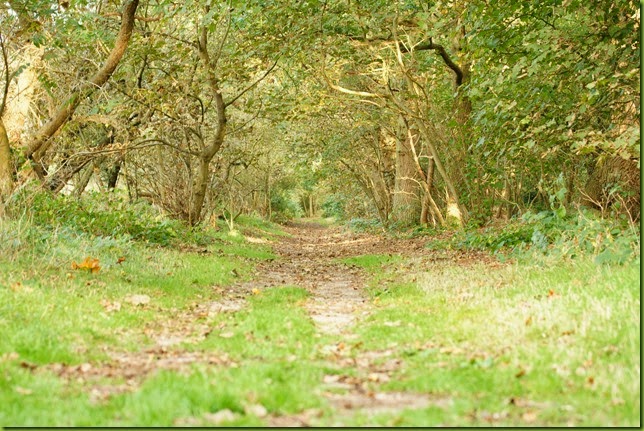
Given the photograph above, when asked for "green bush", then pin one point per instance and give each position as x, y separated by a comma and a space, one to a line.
364, 225
333, 207
104, 215
554, 233
283, 208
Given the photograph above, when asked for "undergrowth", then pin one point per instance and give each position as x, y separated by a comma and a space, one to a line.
549, 234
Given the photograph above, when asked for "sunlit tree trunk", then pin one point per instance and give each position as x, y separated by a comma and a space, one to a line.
6, 172
406, 201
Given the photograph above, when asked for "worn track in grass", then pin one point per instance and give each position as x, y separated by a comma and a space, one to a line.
309, 257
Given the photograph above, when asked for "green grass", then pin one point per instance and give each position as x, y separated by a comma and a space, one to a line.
273, 327
512, 345
564, 340
373, 263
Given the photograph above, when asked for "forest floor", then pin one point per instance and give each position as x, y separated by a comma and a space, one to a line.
319, 326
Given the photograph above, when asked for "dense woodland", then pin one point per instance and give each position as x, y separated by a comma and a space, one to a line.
416, 213
412, 113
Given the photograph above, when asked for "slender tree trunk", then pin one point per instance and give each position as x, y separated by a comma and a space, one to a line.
200, 184
113, 173
84, 181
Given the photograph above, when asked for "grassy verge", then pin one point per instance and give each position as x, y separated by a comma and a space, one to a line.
63, 318
512, 346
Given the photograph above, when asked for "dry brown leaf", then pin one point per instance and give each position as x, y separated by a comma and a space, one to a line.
110, 306
529, 417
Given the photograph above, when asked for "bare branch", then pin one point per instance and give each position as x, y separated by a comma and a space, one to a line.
430, 45
7, 78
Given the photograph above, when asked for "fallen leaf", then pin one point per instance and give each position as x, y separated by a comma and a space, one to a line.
89, 263
10, 356
520, 373
120, 260
528, 321
137, 299
331, 378
221, 416
227, 334
27, 365
378, 377
256, 291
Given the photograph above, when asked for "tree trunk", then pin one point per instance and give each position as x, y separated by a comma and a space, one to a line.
83, 181
406, 200
614, 180
113, 173
41, 141
200, 184
6, 171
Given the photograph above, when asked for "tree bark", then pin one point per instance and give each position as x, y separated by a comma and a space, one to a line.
6, 172
406, 201
113, 173
200, 184
41, 141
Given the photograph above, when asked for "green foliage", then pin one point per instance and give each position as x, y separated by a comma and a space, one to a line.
283, 207
105, 215
553, 233
333, 206
365, 225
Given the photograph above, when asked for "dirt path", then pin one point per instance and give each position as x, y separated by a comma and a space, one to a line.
310, 257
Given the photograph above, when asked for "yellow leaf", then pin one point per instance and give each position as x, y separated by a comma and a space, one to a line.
89, 264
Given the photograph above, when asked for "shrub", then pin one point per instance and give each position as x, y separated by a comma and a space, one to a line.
553, 233
104, 215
